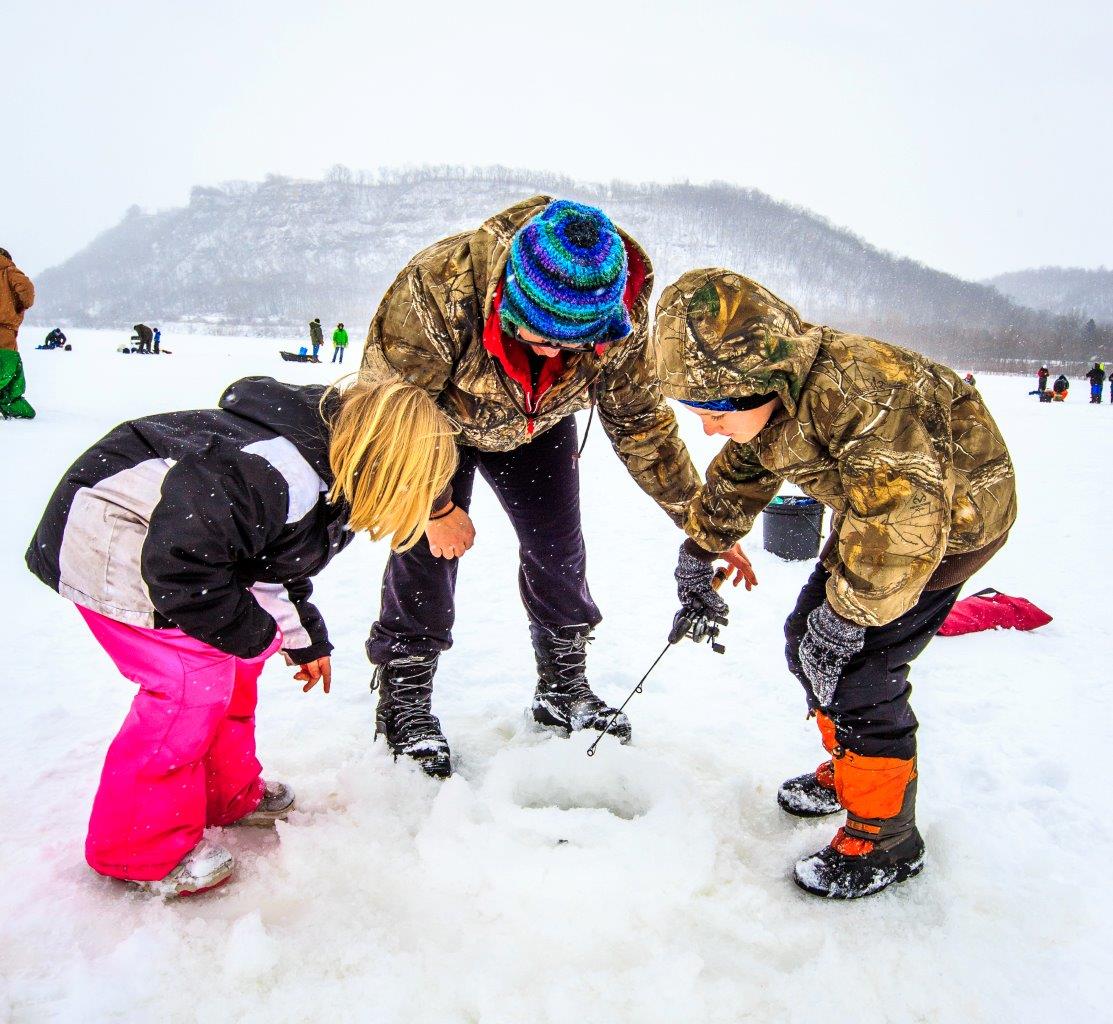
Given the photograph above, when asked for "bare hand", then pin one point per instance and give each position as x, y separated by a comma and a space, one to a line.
451, 536
736, 558
310, 673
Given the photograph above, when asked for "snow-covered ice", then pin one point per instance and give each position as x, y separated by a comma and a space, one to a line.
647, 884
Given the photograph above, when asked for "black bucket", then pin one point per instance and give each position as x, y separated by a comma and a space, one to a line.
791, 527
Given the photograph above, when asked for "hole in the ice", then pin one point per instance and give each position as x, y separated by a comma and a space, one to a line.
627, 806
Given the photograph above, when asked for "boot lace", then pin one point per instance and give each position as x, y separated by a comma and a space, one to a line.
410, 693
567, 655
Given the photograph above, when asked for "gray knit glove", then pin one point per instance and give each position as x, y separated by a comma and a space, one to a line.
826, 648
693, 586
702, 611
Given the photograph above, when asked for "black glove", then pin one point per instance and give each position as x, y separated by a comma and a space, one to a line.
827, 646
702, 611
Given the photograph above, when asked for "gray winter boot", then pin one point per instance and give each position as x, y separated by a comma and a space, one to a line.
277, 803
205, 867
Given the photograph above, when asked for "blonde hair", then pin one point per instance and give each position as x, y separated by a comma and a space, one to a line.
392, 452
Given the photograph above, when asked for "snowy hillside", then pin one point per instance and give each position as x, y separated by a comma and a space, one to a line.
265, 258
1067, 290
391, 898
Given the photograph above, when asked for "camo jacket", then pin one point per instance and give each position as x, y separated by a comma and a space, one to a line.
901, 448
429, 330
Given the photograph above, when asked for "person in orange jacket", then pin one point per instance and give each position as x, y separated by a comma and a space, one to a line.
17, 295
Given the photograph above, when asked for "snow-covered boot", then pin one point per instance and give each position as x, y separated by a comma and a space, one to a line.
850, 867
879, 844
277, 803
205, 867
563, 700
812, 795
405, 716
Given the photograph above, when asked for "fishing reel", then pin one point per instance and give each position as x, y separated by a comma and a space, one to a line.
700, 626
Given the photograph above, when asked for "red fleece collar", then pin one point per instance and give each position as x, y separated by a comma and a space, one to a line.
514, 360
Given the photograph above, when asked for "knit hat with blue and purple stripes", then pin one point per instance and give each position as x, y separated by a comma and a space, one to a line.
566, 276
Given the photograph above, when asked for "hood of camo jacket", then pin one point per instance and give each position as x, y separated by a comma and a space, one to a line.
900, 447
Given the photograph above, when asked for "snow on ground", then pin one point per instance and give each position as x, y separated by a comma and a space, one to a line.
391, 898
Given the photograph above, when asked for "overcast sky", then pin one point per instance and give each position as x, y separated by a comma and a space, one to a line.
976, 137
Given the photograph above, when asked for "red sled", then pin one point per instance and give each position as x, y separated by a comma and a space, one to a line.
990, 609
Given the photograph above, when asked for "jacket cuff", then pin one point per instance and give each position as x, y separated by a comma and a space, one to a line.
714, 540
693, 549
304, 655
848, 612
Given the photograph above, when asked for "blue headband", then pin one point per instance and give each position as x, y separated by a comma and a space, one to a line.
719, 405
732, 404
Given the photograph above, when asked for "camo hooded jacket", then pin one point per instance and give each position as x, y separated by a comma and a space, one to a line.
429, 329
901, 448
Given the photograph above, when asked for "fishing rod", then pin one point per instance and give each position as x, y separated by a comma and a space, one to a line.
698, 625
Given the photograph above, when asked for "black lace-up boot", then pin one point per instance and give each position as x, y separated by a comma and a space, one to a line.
563, 700
405, 717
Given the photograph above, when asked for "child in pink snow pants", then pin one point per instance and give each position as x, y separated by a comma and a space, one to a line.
184, 757
188, 540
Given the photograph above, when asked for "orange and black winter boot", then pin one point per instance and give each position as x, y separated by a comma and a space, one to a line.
880, 843
812, 795
850, 867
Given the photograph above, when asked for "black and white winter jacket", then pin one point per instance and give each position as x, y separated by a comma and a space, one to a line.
211, 521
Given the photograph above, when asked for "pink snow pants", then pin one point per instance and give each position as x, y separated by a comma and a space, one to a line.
184, 757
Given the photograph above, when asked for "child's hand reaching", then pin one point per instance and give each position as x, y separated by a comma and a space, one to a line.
321, 669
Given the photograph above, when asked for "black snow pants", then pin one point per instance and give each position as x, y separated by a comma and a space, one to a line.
870, 708
538, 486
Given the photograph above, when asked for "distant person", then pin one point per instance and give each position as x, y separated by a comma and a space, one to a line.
17, 295
969, 378
188, 541
316, 335
157, 339
55, 339
339, 343
1060, 388
145, 336
1041, 379
1096, 377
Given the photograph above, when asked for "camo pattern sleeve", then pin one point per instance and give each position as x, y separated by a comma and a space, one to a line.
409, 335
643, 431
738, 487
